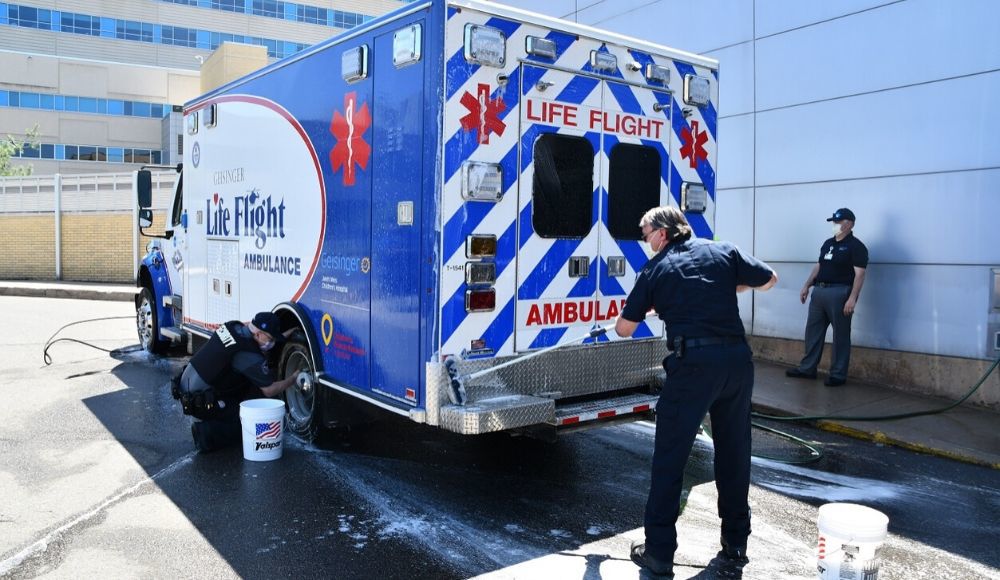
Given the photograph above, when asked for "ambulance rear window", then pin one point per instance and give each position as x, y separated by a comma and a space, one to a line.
562, 190
633, 188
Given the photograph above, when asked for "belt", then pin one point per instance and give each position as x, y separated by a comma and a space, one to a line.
830, 284
709, 341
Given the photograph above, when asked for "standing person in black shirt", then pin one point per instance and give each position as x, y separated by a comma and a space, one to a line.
692, 285
838, 277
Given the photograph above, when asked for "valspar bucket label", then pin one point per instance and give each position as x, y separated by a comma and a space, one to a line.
263, 428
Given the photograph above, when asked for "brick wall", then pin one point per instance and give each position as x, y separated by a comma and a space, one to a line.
27, 248
97, 247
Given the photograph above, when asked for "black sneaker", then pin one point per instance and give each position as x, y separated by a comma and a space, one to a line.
797, 374
834, 382
653, 567
729, 562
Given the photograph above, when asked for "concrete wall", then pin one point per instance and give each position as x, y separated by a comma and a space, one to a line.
884, 107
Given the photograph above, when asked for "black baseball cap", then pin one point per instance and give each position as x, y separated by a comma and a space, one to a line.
268, 322
841, 214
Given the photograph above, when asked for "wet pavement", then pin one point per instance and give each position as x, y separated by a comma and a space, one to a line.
99, 477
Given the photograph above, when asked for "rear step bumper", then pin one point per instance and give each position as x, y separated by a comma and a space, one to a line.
517, 411
572, 415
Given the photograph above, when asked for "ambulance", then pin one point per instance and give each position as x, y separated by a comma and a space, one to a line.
455, 181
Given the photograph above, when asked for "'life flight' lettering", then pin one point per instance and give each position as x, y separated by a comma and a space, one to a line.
567, 115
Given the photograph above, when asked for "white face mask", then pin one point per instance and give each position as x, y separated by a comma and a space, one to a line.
836, 229
267, 346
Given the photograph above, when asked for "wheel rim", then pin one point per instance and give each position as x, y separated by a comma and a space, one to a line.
144, 322
300, 400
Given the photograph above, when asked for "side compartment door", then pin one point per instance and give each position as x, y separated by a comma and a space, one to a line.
635, 179
396, 209
558, 207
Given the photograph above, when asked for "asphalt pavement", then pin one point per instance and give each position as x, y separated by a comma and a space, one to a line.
966, 433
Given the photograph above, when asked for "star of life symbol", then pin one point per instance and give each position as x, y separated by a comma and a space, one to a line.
694, 144
484, 113
349, 129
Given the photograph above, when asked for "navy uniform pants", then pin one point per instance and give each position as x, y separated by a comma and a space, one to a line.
717, 380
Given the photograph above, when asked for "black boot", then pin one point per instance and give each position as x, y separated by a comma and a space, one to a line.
730, 560
652, 566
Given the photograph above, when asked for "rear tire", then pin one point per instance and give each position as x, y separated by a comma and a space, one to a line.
148, 324
305, 418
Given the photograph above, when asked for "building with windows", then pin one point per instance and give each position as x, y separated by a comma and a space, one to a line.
104, 81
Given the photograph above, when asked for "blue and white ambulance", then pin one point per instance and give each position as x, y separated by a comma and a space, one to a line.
454, 180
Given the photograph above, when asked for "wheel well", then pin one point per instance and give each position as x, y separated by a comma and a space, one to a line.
292, 315
143, 280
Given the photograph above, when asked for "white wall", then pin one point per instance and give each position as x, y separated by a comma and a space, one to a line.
885, 107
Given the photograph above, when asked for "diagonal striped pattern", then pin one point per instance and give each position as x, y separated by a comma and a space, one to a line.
532, 269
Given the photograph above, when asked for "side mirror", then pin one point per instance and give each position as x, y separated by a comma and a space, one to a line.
144, 188
145, 218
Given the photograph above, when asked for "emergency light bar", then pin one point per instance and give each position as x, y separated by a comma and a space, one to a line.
543, 47
696, 90
603, 61
485, 45
482, 181
406, 46
354, 63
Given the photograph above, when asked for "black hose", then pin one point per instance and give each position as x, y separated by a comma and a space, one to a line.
893, 417
48, 343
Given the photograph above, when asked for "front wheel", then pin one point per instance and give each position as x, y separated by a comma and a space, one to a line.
147, 324
304, 416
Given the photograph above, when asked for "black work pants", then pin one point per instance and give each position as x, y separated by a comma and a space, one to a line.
717, 380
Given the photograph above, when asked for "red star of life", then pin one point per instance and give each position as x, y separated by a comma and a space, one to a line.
351, 149
484, 113
694, 144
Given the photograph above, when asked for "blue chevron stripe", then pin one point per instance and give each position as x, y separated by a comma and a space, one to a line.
577, 90
497, 333
464, 143
643, 331
585, 286
453, 312
704, 168
609, 286
539, 279
548, 337
459, 70
465, 220
708, 112
697, 220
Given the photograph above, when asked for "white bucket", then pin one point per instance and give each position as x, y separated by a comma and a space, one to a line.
263, 428
850, 537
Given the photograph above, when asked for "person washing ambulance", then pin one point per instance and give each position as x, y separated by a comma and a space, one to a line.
230, 368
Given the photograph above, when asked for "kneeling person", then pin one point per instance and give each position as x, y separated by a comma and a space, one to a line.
230, 368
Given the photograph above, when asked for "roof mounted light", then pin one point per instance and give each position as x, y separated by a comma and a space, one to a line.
542, 47
485, 45
657, 73
603, 61
697, 90
354, 63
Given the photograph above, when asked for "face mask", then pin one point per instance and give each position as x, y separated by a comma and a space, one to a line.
836, 229
267, 346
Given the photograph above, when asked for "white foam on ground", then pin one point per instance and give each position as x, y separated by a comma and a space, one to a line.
798, 481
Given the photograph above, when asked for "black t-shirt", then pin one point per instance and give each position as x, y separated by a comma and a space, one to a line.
837, 260
692, 286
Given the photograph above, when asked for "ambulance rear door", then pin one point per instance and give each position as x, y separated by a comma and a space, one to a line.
558, 207
635, 178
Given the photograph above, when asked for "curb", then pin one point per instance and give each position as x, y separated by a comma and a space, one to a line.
877, 436
76, 293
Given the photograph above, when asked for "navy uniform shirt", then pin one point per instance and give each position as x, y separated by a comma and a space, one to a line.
837, 260
692, 286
